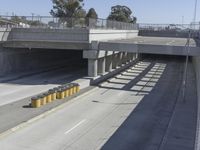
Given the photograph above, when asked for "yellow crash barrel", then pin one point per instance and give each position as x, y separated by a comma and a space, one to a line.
35, 102
53, 94
43, 99
67, 91
63, 93
71, 89
49, 97
74, 88
77, 86
60, 94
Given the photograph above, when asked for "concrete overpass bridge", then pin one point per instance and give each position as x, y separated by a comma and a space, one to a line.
153, 85
99, 46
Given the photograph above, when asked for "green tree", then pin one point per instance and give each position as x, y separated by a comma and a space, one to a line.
68, 9
92, 14
91, 17
121, 13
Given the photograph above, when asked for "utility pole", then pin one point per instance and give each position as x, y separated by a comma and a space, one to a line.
182, 20
32, 16
195, 13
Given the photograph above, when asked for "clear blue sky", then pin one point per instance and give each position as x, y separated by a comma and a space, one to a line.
147, 11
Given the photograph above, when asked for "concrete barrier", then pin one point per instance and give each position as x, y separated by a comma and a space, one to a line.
102, 35
39, 34
83, 35
166, 33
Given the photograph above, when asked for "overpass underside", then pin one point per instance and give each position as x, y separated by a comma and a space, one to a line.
104, 55
123, 51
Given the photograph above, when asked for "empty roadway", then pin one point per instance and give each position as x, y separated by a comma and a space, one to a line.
139, 104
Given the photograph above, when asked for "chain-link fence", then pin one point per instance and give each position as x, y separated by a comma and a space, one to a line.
167, 27
62, 23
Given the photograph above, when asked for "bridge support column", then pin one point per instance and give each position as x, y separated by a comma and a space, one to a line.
120, 59
109, 63
115, 61
92, 67
133, 56
124, 58
101, 66
130, 57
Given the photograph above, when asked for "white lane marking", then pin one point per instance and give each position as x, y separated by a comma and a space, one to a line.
171, 42
78, 124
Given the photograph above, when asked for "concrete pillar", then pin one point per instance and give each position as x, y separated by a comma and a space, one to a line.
120, 58
92, 67
130, 57
124, 58
133, 56
101, 66
108, 63
115, 61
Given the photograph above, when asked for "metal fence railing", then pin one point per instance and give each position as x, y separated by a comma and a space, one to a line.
167, 27
62, 23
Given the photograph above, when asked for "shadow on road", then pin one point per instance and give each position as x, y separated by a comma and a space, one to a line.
145, 128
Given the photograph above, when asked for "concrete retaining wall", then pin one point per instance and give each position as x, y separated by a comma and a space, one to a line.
101, 35
196, 63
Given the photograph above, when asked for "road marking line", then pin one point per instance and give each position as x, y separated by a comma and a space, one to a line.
81, 122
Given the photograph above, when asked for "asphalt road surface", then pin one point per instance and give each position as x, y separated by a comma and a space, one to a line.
144, 95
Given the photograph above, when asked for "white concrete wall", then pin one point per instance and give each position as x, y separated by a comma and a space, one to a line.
104, 35
49, 34
70, 34
3, 34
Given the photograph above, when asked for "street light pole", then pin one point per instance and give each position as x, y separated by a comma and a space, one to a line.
195, 11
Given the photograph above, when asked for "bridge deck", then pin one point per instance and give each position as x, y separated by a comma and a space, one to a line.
140, 44
152, 45
157, 41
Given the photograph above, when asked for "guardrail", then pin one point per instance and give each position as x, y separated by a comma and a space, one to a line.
62, 23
